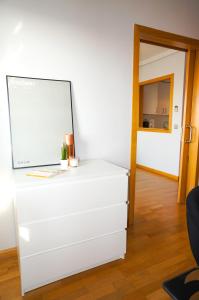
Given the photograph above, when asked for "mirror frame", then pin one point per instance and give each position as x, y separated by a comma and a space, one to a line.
9, 112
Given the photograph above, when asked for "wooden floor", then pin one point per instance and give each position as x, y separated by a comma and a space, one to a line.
157, 249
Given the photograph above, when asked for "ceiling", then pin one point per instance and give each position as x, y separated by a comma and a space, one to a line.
147, 51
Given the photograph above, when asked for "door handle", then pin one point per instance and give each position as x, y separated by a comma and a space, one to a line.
189, 140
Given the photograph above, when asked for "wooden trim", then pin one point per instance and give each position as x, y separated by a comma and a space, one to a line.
188, 91
156, 79
9, 251
135, 120
140, 121
192, 176
161, 173
159, 130
166, 39
173, 41
171, 76
170, 115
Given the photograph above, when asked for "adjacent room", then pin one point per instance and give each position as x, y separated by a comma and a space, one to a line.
99, 130
160, 109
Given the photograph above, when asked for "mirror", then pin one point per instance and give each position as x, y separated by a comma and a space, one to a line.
156, 96
40, 114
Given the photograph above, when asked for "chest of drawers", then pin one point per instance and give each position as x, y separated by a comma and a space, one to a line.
70, 223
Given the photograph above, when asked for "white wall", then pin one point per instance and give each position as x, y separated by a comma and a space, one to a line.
161, 151
90, 43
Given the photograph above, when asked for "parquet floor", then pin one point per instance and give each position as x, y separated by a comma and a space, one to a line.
157, 249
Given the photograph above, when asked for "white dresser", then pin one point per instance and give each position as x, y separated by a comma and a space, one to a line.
71, 222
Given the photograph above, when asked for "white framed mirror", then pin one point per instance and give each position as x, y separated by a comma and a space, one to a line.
40, 114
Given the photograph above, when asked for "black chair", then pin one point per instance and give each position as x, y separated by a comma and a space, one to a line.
186, 285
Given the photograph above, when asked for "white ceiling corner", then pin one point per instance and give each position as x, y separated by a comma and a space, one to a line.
150, 53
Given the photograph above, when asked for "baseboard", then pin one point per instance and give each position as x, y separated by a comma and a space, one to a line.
9, 251
170, 176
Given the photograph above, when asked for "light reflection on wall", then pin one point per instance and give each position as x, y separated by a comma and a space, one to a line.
16, 47
24, 233
18, 28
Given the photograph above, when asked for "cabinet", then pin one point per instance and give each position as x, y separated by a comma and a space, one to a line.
150, 99
155, 104
70, 223
156, 99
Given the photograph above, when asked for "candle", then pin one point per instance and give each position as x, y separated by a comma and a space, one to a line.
69, 140
74, 162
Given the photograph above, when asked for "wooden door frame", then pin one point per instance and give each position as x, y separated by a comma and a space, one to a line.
178, 42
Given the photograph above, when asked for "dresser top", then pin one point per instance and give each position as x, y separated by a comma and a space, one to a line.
86, 170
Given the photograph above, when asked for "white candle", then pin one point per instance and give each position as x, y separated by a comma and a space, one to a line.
74, 162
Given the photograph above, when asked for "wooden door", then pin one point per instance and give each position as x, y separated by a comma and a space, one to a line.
188, 176
188, 95
193, 139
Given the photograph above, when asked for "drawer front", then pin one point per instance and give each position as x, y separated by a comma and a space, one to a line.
45, 268
55, 200
52, 233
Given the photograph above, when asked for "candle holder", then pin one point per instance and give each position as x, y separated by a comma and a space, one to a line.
69, 140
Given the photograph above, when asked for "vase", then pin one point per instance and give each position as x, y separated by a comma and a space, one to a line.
64, 164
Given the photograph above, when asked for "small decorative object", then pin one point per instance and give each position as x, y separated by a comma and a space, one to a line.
69, 140
151, 123
165, 125
176, 108
146, 123
74, 162
64, 157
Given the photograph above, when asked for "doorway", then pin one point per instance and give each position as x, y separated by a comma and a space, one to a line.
188, 170
161, 85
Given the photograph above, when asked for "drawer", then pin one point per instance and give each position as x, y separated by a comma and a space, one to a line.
59, 199
42, 269
52, 233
